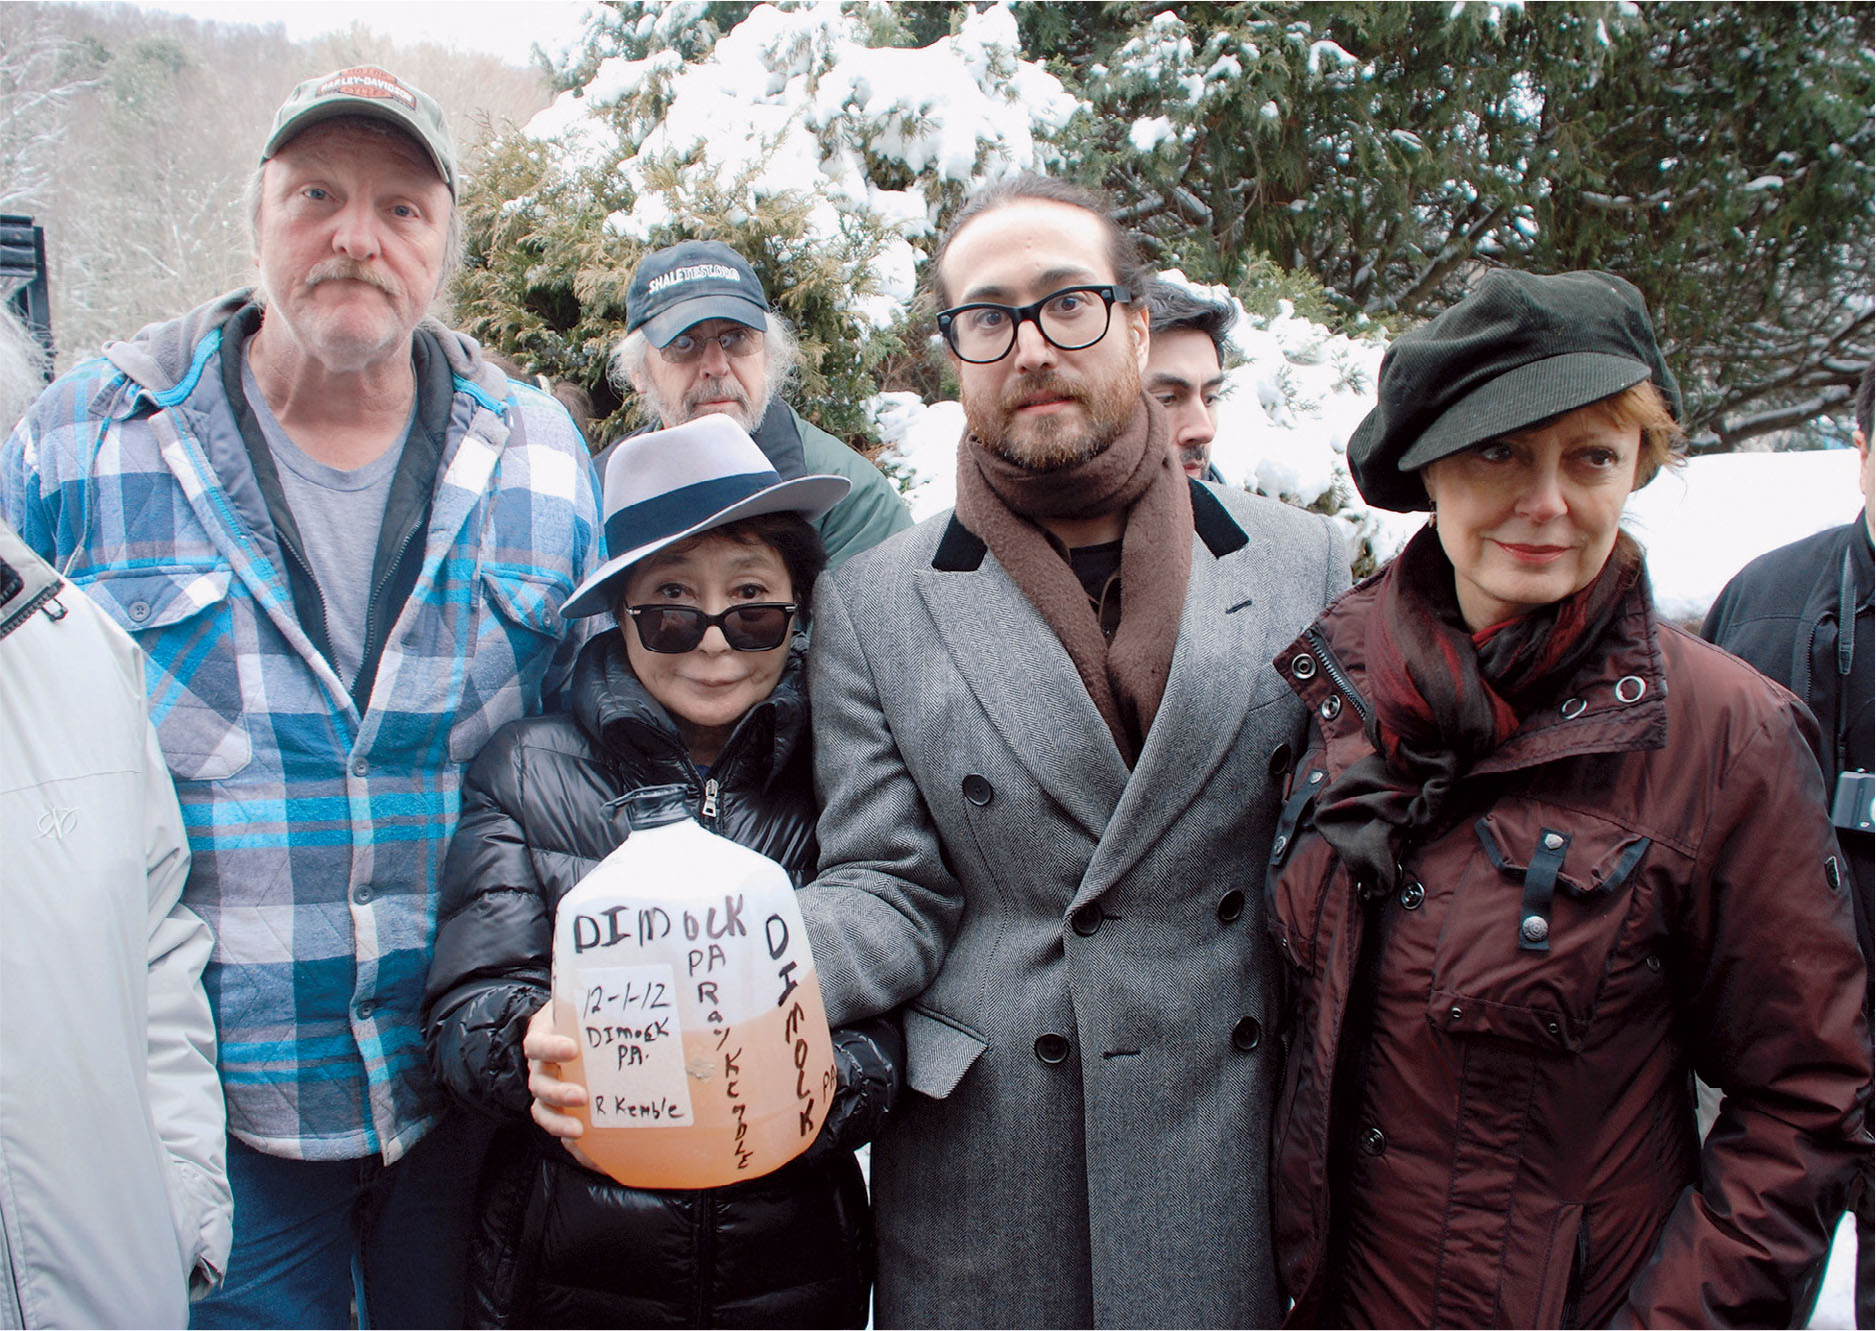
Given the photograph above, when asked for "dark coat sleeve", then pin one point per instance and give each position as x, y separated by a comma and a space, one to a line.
869, 1058
494, 941
1775, 1008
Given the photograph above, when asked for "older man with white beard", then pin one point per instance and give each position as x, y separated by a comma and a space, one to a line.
1048, 749
700, 337
342, 540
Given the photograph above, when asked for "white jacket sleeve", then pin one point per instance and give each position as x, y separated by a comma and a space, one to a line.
185, 1091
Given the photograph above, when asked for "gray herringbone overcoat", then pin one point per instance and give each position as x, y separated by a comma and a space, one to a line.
1080, 951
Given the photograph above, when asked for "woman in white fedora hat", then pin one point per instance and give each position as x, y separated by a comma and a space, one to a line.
701, 686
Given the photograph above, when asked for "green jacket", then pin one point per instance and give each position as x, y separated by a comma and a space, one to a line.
872, 510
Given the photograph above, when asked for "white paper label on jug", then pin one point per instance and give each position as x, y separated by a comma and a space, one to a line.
633, 1047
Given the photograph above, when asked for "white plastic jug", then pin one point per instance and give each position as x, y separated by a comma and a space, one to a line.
682, 970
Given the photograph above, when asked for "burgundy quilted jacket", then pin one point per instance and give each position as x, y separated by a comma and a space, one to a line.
1487, 1116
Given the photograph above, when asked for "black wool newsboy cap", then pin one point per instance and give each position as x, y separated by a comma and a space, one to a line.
1518, 350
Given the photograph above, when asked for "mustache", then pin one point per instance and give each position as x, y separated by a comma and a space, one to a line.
1049, 384
708, 389
341, 269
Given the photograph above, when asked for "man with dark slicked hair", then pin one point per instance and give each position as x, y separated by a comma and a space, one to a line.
1185, 370
1047, 758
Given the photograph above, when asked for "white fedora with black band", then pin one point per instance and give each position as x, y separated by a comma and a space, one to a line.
668, 484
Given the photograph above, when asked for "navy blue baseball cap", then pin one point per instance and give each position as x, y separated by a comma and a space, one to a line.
682, 285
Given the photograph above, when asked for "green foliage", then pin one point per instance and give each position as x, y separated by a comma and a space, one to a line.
1725, 165
144, 74
551, 283
1390, 150
633, 29
1362, 161
1261, 284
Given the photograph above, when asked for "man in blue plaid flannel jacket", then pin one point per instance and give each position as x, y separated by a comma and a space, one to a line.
342, 540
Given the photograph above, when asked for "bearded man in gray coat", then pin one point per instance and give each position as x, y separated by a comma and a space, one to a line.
1049, 741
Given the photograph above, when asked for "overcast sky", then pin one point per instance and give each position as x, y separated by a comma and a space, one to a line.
505, 28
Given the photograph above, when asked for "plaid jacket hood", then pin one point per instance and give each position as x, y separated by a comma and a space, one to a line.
317, 830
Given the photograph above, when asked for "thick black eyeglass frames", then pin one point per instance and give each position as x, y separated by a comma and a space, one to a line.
1070, 319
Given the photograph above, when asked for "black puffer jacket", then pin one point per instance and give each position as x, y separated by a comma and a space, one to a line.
557, 1244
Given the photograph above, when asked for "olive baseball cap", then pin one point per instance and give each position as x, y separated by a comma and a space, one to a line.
683, 284
367, 90
1517, 350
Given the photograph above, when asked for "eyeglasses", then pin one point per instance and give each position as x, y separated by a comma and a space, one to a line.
1069, 319
756, 626
738, 342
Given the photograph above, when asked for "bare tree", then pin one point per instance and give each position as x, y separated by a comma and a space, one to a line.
131, 135
41, 71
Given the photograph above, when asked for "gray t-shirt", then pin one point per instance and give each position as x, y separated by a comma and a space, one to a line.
338, 513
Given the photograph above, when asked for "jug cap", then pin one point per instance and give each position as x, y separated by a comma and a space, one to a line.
654, 806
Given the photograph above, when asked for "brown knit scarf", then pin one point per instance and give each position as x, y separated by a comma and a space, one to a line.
1000, 502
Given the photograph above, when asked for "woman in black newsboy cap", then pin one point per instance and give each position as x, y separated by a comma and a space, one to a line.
1545, 859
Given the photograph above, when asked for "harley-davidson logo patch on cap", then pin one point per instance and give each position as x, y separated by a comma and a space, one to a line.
368, 81
374, 92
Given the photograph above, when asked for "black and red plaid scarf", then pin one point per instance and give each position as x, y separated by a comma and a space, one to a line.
1445, 697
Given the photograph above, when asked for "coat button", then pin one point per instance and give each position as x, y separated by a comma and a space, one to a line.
1412, 895
1051, 1048
365, 1009
1303, 665
1087, 919
362, 894
1247, 1034
140, 610
1553, 841
1374, 1142
1331, 707
1535, 929
1280, 759
360, 767
977, 790
1231, 905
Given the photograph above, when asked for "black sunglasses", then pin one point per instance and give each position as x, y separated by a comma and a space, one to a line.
757, 626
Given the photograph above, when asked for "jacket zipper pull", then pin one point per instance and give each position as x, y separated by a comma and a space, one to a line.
709, 810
